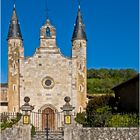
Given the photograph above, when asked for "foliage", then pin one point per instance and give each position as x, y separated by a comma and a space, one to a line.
123, 120
102, 80
33, 131
99, 117
99, 114
111, 73
81, 119
96, 112
99, 101
8, 123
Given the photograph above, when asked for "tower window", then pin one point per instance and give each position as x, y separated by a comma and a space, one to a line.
48, 32
14, 109
80, 67
14, 66
80, 109
80, 88
14, 87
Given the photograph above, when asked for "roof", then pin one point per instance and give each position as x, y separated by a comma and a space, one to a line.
79, 30
14, 28
135, 78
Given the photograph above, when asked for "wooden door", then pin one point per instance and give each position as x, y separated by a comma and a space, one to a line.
50, 117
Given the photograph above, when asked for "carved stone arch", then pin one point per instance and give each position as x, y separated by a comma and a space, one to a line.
49, 106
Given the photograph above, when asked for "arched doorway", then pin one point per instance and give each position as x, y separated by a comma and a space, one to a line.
48, 114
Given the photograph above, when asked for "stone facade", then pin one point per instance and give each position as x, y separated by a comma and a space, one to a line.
3, 98
48, 76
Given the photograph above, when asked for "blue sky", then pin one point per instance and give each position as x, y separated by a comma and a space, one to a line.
111, 27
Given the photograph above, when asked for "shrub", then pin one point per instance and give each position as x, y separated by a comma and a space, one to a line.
81, 118
9, 123
125, 120
33, 131
99, 117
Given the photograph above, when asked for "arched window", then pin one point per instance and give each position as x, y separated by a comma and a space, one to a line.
48, 32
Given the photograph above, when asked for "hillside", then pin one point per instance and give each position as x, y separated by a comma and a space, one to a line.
102, 80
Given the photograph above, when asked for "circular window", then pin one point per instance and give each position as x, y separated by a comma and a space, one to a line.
48, 82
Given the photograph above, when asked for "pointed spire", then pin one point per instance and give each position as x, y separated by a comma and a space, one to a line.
14, 28
79, 30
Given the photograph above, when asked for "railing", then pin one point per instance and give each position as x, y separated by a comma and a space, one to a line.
6, 116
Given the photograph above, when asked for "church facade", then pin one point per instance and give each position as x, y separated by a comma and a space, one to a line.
48, 76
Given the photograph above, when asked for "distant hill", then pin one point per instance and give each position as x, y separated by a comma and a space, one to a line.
102, 80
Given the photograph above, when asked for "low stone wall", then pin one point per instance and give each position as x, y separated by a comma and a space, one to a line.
103, 133
17, 132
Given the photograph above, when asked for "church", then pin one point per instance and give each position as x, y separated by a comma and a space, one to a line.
48, 76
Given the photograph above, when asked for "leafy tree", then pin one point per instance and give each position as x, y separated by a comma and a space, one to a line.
102, 80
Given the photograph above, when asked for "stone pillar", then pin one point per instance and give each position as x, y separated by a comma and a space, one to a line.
26, 109
68, 118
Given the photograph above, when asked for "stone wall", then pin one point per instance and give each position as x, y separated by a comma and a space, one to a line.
17, 132
103, 133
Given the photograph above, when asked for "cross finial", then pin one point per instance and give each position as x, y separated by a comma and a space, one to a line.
14, 1
47, 10
79, 4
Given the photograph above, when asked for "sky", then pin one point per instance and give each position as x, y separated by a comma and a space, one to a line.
111, 28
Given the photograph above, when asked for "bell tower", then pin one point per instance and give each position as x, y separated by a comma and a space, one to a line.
79, 42
48, 38
15, 54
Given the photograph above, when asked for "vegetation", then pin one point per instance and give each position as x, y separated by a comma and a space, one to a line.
33, 132
123, 120
100, 113
8, 123
102, 80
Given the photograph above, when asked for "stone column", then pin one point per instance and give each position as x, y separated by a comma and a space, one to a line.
68, 118
26, 109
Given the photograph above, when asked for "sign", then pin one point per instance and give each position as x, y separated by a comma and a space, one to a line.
26, 119
67, 119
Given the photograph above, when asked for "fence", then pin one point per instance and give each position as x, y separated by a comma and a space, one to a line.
50, 120
7, 116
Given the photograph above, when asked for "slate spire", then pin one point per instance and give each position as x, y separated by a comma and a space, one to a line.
79, 30
14, 28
